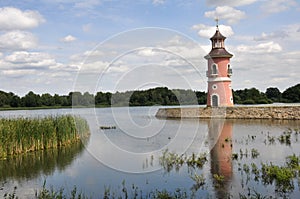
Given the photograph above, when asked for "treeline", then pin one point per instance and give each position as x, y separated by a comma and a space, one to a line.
154, 96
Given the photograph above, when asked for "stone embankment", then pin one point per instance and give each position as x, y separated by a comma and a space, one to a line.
236, 112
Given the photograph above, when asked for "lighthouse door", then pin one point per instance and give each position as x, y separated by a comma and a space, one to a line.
215, 101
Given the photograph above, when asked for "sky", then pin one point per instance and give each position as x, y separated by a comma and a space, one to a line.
58, 46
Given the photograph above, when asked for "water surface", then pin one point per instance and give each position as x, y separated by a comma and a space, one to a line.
130, 154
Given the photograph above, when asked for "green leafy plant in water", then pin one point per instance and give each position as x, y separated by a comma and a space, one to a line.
170, 160
219, 179
254, 153
285, 138
234, 156
198, 179
293, 162
255, 171
283, 177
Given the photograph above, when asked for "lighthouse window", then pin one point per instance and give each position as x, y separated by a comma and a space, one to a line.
214, 69
218, 44
229, 70
214, 87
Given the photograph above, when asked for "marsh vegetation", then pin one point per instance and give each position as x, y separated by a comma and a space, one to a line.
21, 135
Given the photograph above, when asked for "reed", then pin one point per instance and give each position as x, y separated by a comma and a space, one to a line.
21, 135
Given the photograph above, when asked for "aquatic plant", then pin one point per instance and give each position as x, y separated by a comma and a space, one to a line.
219, 178
255, 171
283, 177
285, 138
198, 179
293, 162
198, 161
234, 156
254, 195
169, 160
21, 135
254, 153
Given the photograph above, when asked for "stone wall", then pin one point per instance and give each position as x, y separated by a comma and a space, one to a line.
236, 112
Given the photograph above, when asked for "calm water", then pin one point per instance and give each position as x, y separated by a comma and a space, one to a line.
130, 154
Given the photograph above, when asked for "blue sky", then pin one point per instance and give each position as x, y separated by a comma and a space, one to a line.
59, 46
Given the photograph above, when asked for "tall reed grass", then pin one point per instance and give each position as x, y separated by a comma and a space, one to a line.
21, 135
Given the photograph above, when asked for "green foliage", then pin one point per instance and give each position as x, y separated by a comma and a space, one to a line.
273, 94
283, 177
170, 160
292, 94
20, 135
250, 96
153, 96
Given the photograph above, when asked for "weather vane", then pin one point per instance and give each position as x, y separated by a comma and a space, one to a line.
217, 21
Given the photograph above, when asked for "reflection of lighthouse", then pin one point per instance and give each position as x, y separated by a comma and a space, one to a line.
220, 133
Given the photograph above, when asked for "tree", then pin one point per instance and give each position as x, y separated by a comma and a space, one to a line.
250, 96
31, 100
47, 100
102, 98
87, 99
3, 98
292, 94
274, 94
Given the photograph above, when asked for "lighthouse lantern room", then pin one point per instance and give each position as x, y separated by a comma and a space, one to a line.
219, 73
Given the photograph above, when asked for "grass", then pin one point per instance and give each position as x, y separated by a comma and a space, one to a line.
21, 135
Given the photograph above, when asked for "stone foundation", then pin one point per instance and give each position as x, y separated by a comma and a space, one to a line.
236, 112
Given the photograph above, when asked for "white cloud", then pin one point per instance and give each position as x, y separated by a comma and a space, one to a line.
208, 31
87, 27
147, 52
227, 13
15, 19
230, 2
68, 39
276, 6
87, 4
17, 40
17, 73
268, 47
158, 2
271, 36
30, 59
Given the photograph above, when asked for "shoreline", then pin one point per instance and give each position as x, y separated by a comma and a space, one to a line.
285, 112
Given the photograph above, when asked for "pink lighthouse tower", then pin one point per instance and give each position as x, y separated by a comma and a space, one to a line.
219, 73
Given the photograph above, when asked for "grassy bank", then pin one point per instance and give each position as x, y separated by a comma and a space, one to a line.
21, 135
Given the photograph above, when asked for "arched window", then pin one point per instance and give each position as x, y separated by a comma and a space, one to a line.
215, 100
229, 70
214, 69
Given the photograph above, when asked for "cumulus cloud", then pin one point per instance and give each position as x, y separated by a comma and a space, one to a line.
17, 40
158, 2
271, 36
30, 59
147, 52
87, 4
268, 47
227, 13
208, 31
229, 2
276, 6
68, 39
17, 73
16, 19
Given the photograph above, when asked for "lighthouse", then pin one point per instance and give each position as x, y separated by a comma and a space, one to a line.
219, 92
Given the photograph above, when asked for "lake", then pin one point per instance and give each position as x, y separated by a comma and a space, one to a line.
129, 154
